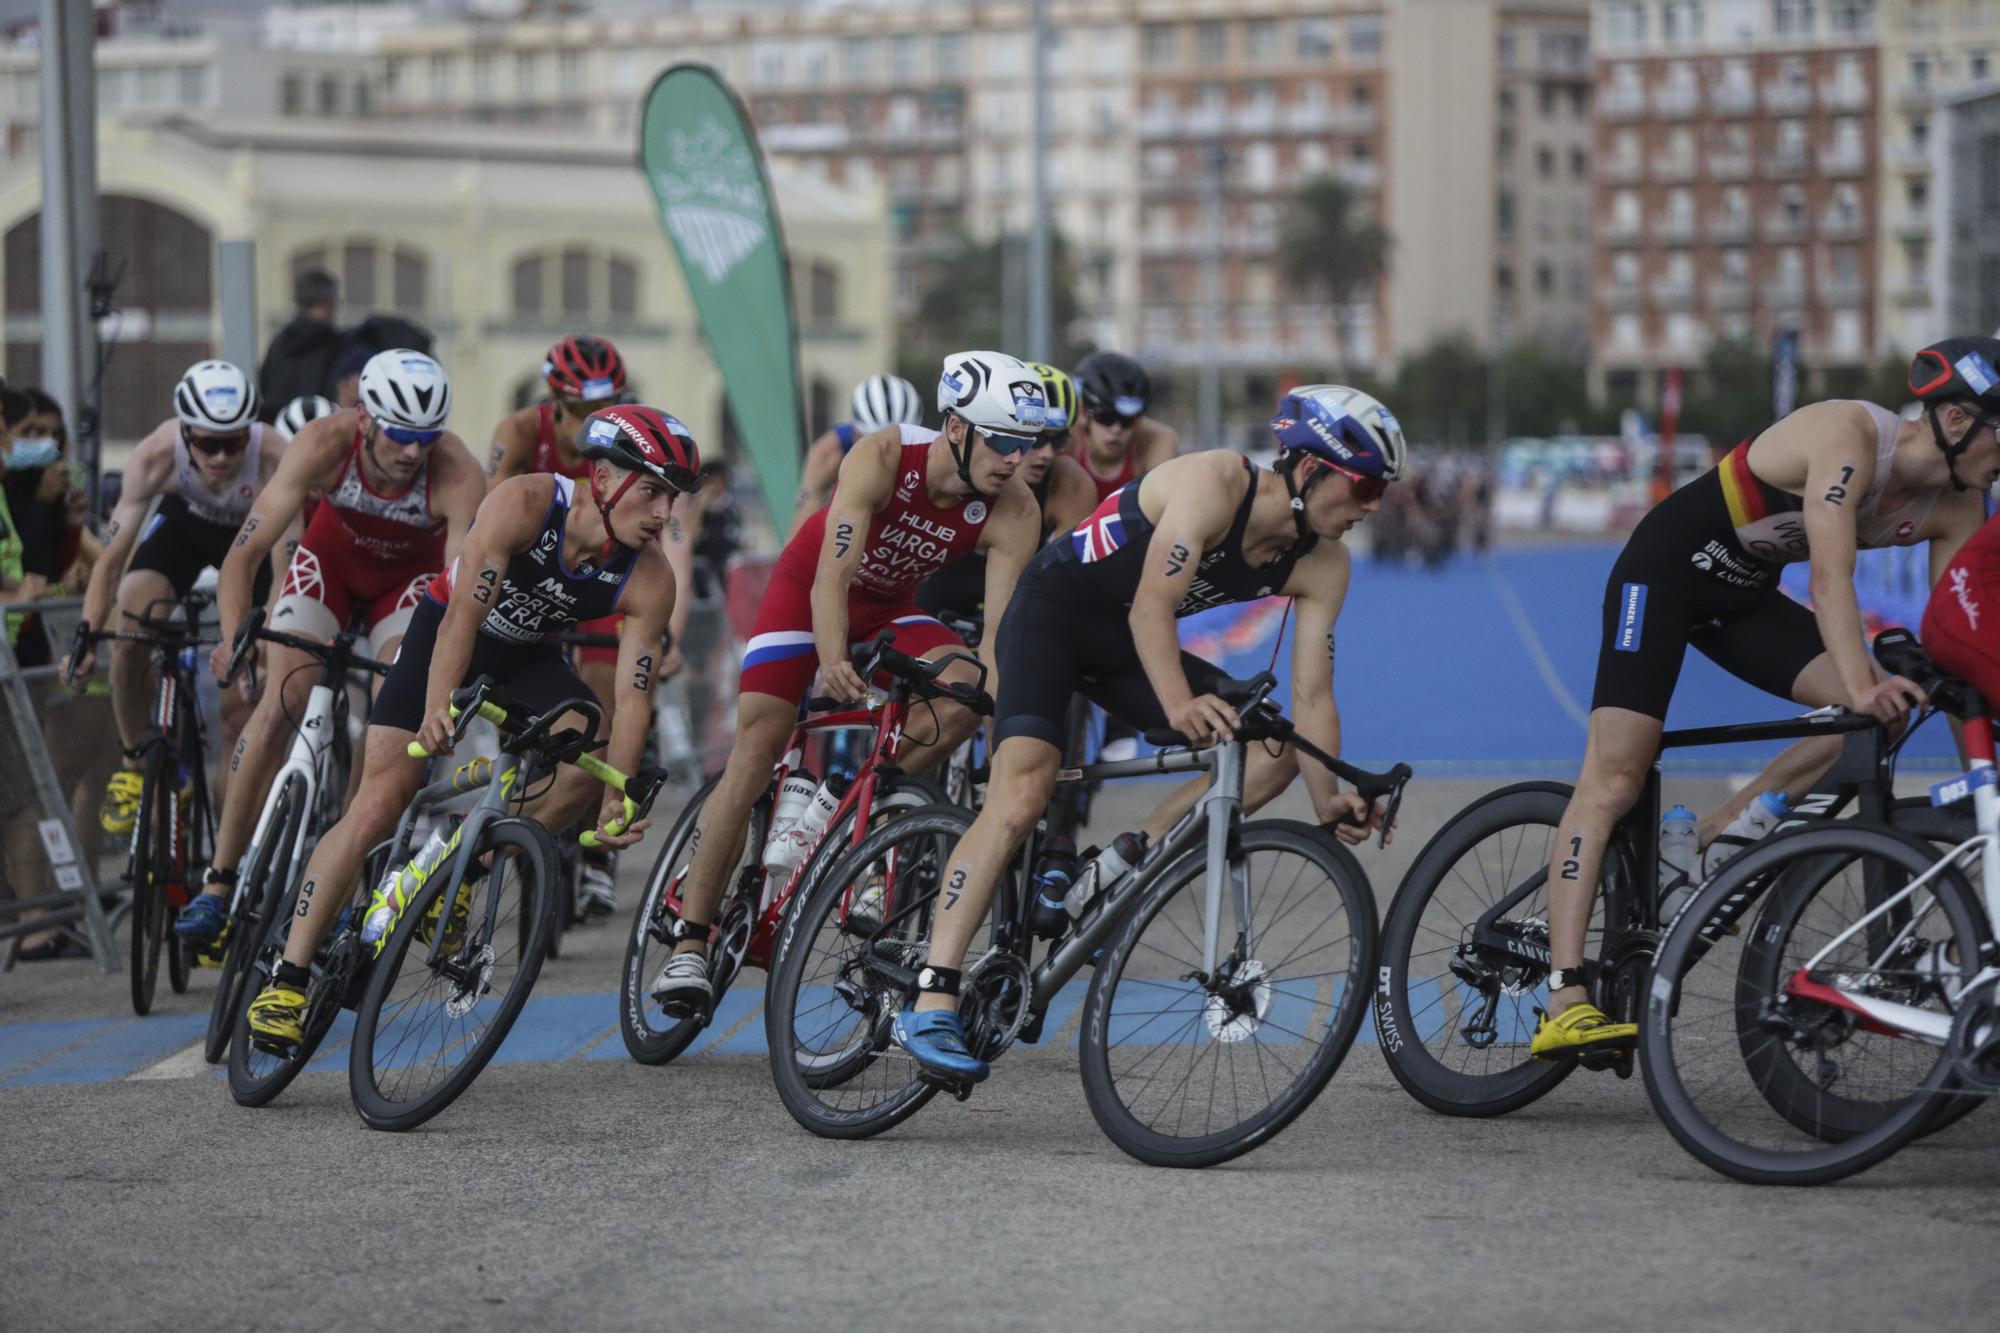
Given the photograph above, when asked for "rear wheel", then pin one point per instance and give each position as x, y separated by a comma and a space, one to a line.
430, 1018
257, 1075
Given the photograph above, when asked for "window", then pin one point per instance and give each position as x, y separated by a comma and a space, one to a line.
152, 86
857, 59
948, 53
1506, 48
1364, 35
1211, 44
1545, 162
1852, 18
528, 286
823, 295
1976, 66
1545, 279
442, 74
569, 73
291, 92
1503, 214
1920, 70
329, 95
194, 84
624, 287
1158, 45
1625, 269
767, 63
1579, 164
1315, 38
575, 281
393, 71
357, 274
1989, 173
1792, 18
484, 76
1625, 22
363, 99
902, 58
1260, 41
1680, 22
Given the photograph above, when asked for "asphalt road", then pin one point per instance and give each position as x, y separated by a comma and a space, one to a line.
588, 1192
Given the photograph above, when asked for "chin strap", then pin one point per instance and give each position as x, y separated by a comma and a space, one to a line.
611, 542
1285, 467
1952, 449
964, 460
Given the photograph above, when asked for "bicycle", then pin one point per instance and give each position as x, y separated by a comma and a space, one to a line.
303, 802
1465, 947
1208, 984
175, 828
1857, 1012
754, 904
436, 995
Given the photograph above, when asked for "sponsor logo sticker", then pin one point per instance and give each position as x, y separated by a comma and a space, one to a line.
1631, 617
975, 512
1953, 790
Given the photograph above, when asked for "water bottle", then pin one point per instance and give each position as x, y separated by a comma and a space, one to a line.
789, 848
1110, 866
1769, 810
1054, 875
793, 798
402, 883
1680, 858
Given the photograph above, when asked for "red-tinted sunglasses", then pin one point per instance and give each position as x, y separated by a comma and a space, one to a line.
1367, 489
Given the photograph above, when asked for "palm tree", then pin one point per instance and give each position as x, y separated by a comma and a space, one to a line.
1331, 245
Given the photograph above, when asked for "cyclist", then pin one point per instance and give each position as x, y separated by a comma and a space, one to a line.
584, 374
1095, 614
539, 561
205, 466
1702, 569
1058, 483
878, 401
396, 494
1116, 441
909, 500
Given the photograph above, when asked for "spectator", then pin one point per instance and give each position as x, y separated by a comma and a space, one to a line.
300, 359
30, 527
65, 486
347, 376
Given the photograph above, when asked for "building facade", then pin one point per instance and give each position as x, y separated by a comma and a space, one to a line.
1738, 156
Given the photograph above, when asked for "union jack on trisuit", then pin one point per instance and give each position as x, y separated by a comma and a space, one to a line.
1102, 533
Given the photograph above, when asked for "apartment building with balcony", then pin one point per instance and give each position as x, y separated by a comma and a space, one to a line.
1935, 55
1738, 162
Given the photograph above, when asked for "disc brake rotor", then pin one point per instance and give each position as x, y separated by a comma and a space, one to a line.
477, 985
1236, 1013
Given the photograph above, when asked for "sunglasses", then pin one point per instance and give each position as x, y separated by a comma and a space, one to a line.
215, 445
1367, 489
1009, 445
1105, 416
426, 438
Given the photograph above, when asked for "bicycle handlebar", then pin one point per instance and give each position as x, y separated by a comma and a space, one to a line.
252, 630
876, 657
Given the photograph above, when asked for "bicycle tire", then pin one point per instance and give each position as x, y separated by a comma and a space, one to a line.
1945, 827
148, 921
648, 1040
537, 861
1844, 1149
1401, 1024
1347, 982
261, 890
926, 830
256, 1076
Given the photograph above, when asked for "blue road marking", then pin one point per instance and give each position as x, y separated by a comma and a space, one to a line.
22, 1044
556, 1027
116, 1052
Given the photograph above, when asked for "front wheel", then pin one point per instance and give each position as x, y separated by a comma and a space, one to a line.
1749, 1062
262, 885
152, 861
1186, 1067
432, 1016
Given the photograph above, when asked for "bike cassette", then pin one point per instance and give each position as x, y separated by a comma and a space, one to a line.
993, 1003
1236, 1008
1975, 1040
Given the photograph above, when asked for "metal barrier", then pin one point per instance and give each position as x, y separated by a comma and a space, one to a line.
51, 875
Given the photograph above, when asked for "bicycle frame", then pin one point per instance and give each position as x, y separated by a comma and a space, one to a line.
1888, 1016
306, 762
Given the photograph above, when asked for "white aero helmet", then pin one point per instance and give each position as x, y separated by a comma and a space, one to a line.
405, 388
995, 393
215, 396
310, 407
884, 400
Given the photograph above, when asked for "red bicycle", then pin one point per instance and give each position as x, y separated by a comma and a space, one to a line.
755, 902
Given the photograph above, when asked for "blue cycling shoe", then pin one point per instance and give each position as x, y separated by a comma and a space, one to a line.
936, 1040
202, 920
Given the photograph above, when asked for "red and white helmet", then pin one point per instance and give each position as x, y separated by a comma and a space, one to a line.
643, 439
586, 367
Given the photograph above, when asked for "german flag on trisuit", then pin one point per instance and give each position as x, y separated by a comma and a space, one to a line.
1748, 498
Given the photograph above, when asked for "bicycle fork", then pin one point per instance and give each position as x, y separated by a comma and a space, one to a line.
1222, 808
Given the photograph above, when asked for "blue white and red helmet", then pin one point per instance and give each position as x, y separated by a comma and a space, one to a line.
1344, 426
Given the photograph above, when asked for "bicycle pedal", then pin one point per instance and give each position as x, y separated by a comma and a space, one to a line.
1617, 1059
277, 1050
957, 1087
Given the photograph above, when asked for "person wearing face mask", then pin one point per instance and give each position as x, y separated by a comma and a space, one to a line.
30, 527
66, 486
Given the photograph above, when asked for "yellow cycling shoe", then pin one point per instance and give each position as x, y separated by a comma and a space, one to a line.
120, 808
1581, 1029
278, 1019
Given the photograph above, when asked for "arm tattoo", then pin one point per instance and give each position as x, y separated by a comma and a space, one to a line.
488, 578
642, 673
1838, 491
843, 539
250, 525
1329, 647
674, 530
1177, 559
493, 460
111, 529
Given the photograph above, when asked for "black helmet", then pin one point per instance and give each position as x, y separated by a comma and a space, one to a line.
1957, 370
1113, 382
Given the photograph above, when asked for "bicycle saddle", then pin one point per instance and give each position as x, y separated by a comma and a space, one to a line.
1899, 653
